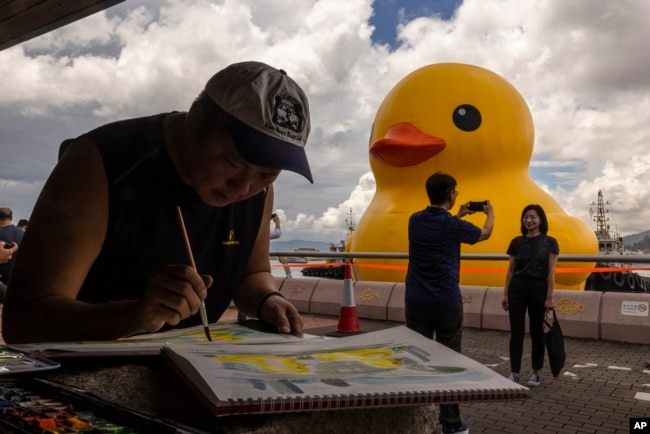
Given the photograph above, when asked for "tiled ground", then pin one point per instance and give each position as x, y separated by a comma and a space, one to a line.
604, 385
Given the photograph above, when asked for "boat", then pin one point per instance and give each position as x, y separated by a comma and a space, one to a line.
328, 272
333, 271
611, 243
296, 260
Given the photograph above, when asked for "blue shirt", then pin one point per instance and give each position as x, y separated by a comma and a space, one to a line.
434, 257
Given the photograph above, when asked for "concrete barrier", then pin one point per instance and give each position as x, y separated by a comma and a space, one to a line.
395, 309
372, 299
327, 297
473, 299
625, 317
578, 312
617, 316
493, 316
299, 292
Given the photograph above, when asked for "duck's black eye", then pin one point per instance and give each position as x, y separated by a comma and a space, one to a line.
467, 117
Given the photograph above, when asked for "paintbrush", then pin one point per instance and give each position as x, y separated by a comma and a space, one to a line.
204, 315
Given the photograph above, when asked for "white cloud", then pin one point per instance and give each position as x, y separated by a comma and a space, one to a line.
581, 68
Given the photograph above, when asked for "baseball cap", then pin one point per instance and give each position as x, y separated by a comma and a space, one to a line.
271, 115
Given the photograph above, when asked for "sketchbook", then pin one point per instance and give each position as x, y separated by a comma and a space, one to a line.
392, 367
150, 344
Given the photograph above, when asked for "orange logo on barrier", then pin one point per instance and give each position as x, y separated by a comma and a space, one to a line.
296, 289
368, 295
569, 306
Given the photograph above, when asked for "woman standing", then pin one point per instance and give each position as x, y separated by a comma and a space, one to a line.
529, 287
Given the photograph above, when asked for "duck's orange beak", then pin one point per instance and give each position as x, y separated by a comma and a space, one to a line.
404, 145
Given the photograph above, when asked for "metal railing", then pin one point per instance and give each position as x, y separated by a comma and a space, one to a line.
607, 259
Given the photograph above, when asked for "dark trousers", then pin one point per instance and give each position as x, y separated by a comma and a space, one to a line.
526, 294
446, 325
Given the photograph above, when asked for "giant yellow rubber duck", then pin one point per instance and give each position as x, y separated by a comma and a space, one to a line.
471, 123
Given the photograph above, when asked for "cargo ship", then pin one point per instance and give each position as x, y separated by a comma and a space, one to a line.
611, 243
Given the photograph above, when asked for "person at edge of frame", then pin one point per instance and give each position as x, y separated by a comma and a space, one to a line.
116, 264
433, 302
532, 259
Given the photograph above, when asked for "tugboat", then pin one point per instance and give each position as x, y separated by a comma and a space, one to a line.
334, 271
611, 243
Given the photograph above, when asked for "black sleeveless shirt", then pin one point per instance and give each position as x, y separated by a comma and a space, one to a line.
144, 232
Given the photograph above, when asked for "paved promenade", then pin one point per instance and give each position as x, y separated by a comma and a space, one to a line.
604, 384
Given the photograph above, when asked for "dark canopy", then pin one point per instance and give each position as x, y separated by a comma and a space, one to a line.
21, 20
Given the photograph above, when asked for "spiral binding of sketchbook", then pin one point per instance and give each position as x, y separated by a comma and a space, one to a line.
392, 367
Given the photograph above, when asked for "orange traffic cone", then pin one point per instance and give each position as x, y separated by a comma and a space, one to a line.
348, 321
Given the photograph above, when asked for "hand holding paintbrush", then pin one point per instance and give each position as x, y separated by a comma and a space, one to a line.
188, 248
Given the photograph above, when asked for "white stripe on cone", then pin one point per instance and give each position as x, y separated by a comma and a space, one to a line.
348, 321
348, 292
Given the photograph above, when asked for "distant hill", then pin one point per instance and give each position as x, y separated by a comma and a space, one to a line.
635, 238
292, 245
638, 242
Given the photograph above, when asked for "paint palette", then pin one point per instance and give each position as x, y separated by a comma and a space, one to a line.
15, 362
39, 406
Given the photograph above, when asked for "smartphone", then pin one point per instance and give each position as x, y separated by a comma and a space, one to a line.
476, 206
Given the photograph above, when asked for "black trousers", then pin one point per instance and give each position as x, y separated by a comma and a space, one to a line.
446, 326
526, 294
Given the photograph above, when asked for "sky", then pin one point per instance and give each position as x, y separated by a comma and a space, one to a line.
581, 66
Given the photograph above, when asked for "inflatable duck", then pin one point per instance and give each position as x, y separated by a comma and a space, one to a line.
472, 124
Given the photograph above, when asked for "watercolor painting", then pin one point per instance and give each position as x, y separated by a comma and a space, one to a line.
373, 365
396, 362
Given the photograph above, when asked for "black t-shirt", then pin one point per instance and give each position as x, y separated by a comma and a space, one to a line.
531, 254
144, 232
